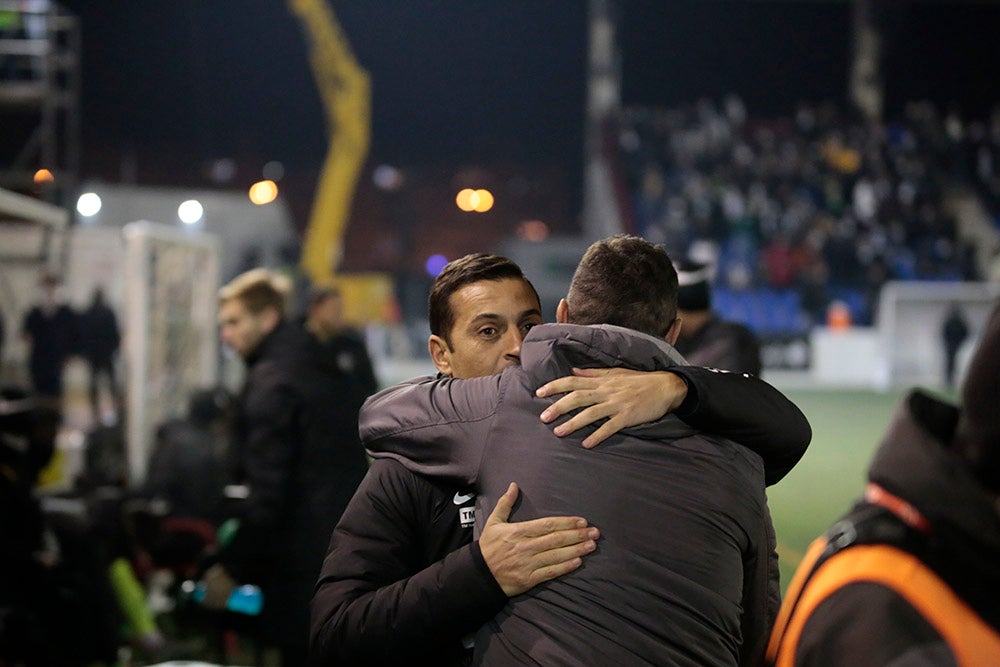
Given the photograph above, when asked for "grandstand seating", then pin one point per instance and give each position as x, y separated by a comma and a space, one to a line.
799, 211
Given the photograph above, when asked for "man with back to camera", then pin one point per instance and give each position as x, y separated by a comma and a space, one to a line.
295, 449
477, 299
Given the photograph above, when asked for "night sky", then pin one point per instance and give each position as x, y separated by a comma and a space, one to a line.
461, 81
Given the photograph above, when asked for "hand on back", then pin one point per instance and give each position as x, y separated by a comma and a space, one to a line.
524, 554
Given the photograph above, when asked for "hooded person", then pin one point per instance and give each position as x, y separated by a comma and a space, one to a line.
911, 574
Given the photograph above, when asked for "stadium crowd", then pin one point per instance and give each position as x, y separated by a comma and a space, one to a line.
816, 202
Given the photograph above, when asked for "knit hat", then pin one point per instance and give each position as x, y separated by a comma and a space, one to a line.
977, 437
693, 285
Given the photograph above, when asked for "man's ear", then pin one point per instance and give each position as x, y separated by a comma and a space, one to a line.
673, 331
562, 312
270, 317
440, 354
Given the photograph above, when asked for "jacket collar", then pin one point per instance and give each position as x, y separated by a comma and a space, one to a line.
913, 462
599, 345
551, 351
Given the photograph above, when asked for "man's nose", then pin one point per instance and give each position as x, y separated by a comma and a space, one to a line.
513, 342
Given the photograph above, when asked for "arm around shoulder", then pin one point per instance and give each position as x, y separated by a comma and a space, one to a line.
748, 410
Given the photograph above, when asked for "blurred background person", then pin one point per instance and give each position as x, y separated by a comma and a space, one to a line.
911, 575
295, 450
99, 341
341, 345
705, 339
57, 606
187, 466
50, 330
954, 331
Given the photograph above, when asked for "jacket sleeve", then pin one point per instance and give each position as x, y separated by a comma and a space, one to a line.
436, 427
270, 451
375, 601
749, 411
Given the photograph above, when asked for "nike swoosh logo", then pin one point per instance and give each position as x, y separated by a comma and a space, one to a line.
462, 498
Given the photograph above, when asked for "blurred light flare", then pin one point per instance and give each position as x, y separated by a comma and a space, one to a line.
435, 264
43, 176
89, 204
386, 177
273, 171
464, 199
470, 200
533, 230
263, 192
190, 211
483, 201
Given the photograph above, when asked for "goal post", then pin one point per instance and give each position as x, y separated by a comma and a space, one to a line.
171, 347
910, 319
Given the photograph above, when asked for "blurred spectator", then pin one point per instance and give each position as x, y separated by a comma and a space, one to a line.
910, 576
50, 330
56, 604
99, 341
187, 466
343, 347
954, 331
706, 340
297, 454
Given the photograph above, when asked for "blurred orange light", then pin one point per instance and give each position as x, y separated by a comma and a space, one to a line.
464, 199
263, 192
533, 230
483, 201
44, 176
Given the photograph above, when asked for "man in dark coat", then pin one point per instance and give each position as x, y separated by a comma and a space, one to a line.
50, 329
99, 340
705, 338
344, 347
295, 450
954, 331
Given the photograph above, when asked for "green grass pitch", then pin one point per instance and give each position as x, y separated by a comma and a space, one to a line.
847, 428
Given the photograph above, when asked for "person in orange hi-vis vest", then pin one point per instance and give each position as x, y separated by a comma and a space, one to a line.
912, 574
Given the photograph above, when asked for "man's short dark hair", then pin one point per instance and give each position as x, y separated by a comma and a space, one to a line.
320, 293
626, 281
459, 273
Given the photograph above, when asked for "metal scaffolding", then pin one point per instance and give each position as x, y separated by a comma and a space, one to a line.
39, 99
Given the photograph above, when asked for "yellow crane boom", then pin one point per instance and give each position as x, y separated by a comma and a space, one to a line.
345, 90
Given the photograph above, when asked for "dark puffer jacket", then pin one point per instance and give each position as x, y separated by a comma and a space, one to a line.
296, 447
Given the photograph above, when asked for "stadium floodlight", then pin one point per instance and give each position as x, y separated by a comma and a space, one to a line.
190, 211
88, 204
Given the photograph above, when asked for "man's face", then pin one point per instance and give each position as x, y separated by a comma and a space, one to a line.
242, 330
328, 313
491, 319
